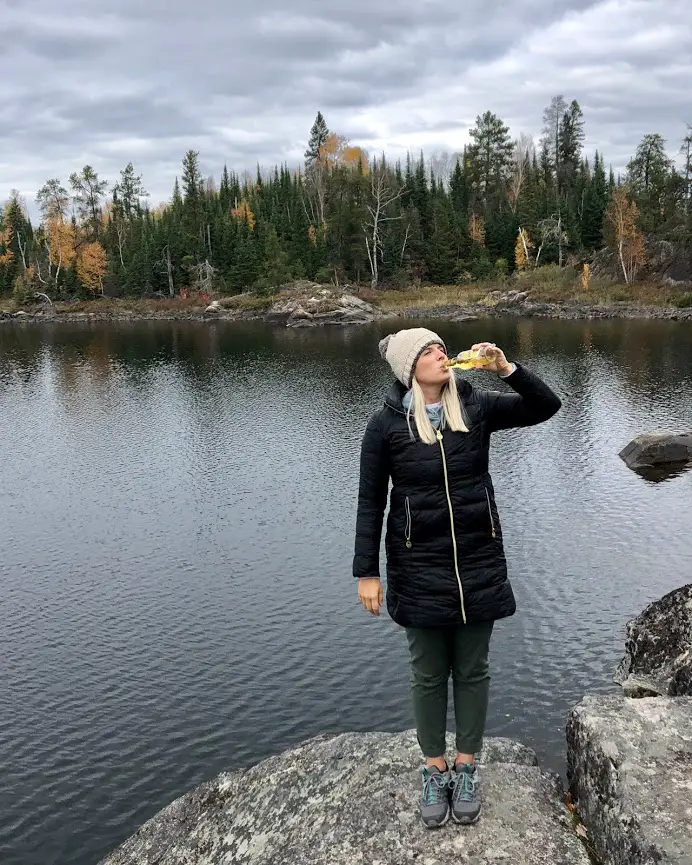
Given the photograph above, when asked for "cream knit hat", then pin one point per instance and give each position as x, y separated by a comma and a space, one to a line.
401, 351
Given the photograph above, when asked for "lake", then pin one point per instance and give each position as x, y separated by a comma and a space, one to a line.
177, 516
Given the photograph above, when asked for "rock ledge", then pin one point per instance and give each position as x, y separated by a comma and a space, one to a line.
630, 769
658, 649
353, 799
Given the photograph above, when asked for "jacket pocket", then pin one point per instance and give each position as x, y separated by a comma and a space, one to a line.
493, 531
409, 523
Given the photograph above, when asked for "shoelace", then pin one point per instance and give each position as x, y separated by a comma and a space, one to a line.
464, 786
434, 788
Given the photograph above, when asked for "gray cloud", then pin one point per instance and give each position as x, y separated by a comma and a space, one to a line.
90, 81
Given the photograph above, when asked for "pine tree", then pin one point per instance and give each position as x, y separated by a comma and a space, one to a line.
489, 157
441, 257
553, 120
275, 268
648, 173
595, 203
193, 208
318, 138
129, 191
570, 144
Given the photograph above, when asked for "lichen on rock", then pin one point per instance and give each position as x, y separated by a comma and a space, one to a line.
353, 798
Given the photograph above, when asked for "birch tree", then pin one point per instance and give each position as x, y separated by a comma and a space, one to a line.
381, 196
621, 217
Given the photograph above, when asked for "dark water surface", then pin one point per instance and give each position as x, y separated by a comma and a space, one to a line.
177, 506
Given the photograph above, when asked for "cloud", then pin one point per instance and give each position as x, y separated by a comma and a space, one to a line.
86, 81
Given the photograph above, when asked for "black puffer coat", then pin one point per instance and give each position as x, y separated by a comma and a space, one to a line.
441, 569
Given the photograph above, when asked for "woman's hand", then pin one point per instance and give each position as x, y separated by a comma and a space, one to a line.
370, 594
498, 362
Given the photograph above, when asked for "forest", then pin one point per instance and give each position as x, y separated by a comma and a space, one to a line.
501, 204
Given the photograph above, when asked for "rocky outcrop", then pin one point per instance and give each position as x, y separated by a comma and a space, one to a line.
659, 448
506, 300
324, 307
666, 261
520, 305
658, 649
630, 770
353, 799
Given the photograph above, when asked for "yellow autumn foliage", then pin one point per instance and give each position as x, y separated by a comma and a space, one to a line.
243, 212
522, 250
92, 263
6, 235
477, 229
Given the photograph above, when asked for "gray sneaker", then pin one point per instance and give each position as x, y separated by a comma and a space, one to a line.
466, 794
434, 807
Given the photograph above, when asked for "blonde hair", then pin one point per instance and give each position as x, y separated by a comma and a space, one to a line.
452, 413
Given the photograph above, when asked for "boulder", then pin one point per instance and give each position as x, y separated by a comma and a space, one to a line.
512, 298
353, 799
299, 312
630, 773
214, 307
492, 298
658, 448
658, 649
351, 301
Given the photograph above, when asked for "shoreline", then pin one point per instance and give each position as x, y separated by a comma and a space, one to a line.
562, 310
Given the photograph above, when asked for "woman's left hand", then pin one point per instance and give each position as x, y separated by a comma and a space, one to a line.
498, 362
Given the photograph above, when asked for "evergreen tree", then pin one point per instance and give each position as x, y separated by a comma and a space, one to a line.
275, 268
648, 173
595, 203
129, 191
193, 208
318, 137
553, 120
442, 260
489, 157
260, 229
570, 144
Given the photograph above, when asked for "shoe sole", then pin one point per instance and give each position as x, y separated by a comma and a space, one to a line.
464, 821
438, 825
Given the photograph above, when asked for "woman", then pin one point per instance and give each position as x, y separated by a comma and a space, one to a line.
446, 569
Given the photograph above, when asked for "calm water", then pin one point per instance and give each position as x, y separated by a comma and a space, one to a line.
177, 506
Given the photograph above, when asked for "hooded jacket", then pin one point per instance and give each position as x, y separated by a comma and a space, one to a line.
445, 556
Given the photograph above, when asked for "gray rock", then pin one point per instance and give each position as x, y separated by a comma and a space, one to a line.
660, 447
512, 299
350, 300
630, 772
299, 312
658, 649
353, 799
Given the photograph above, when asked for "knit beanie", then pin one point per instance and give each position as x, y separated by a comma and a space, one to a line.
401, 351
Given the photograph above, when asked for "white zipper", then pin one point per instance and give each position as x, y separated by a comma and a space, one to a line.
409, 523
490, 511
451, 521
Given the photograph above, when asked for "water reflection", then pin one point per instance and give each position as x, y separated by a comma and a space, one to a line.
178, 507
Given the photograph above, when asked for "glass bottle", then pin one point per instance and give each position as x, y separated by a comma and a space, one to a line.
468, 360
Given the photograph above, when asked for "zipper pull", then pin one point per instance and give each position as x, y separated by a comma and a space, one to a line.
439, 435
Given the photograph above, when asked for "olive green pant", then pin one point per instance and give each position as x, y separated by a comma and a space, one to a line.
437, 653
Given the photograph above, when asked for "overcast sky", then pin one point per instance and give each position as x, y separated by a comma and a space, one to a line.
105, 83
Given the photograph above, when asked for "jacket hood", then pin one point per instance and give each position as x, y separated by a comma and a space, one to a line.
394, 397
